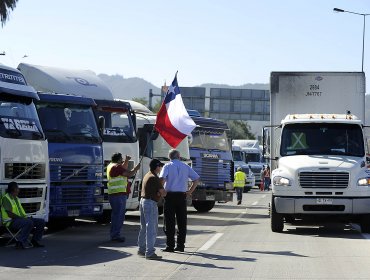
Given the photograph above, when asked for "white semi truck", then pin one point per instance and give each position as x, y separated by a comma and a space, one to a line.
152, 145
24, 150
316, 145
253, 156
239, 159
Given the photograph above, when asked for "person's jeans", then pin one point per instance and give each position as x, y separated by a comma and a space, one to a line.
118, 205
239, 193
26, 225
148, 226
267, 183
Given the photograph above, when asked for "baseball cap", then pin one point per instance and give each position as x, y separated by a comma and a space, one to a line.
154, 163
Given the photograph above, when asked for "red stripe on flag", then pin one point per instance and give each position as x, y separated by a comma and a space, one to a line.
165, 128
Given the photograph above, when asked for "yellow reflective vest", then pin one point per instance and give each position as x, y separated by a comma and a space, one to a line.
17, 209
239, 179
115, 184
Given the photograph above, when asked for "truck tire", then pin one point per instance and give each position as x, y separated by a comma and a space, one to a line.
203, 206
160, 210
277, 220
289, 219
365, 224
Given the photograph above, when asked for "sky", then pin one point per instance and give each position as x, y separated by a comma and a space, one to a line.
230, 42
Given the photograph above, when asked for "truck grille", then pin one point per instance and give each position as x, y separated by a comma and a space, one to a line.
212, 172
31, 207
30, 192
70, 195
24, 171
75, 173
324, 179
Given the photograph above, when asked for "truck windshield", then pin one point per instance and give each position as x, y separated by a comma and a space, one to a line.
253, 157
119, 127
161, 149
210, 140
322, 139
18, 118
237, 156
68, 123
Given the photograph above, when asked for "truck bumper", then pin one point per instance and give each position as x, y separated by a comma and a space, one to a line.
288, 205
213, 195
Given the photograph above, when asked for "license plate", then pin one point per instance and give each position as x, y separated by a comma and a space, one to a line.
325, 201
210, 197
73, 213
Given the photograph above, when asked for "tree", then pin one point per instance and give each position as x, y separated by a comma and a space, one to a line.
240, 130
5, 7
141, 100
157, 106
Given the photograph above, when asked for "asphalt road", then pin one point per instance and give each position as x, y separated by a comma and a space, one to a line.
230, 242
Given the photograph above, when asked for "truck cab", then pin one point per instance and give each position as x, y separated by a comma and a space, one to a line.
119, 135
24, 150
239, 161
75, 155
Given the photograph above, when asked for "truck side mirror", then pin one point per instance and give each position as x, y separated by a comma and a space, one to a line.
101, 124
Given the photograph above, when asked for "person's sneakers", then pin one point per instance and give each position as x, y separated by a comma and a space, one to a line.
140, 254
179, 249
168, 249
119, 239
153, 256
239, 202
37, 244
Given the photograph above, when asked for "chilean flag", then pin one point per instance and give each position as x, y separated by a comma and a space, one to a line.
173, 121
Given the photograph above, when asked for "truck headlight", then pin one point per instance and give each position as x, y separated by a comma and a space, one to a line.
363, 182
281, 181
97, 191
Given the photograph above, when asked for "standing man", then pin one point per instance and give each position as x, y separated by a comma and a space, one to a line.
152, 190
239, 183
174, 176
117, 175
14, 217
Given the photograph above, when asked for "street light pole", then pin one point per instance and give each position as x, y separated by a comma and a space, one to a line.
363, 31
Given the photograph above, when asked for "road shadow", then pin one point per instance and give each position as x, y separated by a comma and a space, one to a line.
213, 257
194, 221
279, 253
326, 230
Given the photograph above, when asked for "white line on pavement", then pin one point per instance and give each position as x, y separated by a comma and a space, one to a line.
210, 242
254, 203
264, 196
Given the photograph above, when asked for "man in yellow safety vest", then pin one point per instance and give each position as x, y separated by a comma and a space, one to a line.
117, 175
15, 218
239, 183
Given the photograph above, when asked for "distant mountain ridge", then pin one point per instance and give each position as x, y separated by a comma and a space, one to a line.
128, 88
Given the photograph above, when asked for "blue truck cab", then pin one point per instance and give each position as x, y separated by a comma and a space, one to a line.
75, 155
211, 156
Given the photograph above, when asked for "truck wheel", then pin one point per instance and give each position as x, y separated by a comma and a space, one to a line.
277, 220
289, 219
203, 206
365, 224
160, 210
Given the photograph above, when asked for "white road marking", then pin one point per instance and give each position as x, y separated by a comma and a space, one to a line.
263, 196
210, 242
255, 203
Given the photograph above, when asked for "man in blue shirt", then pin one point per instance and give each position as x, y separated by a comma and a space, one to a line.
174, 176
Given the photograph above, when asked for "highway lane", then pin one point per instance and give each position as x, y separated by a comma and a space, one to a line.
231, 241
